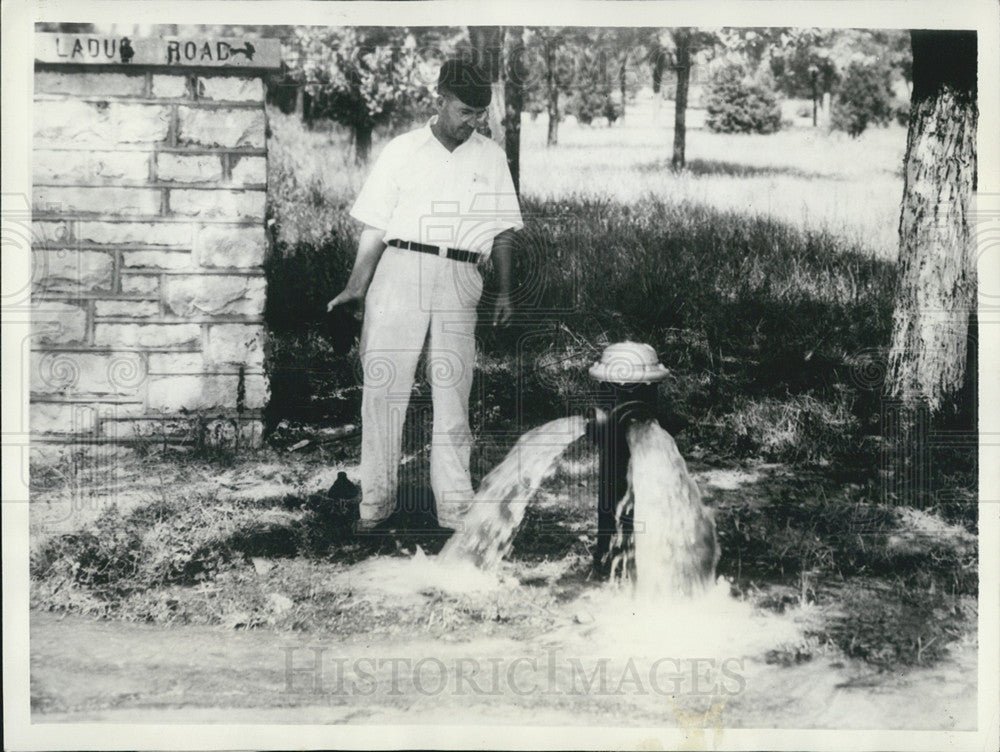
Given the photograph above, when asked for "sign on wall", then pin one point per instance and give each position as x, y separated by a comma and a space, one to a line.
99, 49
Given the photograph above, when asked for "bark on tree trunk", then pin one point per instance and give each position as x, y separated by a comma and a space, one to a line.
514, 78
552, 92
487, 41
682, 53
937, 283
926, 379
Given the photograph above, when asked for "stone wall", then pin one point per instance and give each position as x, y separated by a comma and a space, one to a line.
149, 238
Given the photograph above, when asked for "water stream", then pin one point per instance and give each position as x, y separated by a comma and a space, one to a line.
489, 526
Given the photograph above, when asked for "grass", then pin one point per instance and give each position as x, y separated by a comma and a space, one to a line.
762, 320
804, 177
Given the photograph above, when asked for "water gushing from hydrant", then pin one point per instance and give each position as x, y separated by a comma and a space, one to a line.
674, 540
488, 528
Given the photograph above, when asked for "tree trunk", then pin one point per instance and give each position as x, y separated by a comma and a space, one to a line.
927, 383
514, 78
937, 281
682, 53
659, 59
622, 80
487, 42
553, 93
362, 143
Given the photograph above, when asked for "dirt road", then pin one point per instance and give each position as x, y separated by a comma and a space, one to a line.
90, 670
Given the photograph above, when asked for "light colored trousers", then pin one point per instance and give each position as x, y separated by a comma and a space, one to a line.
413, 294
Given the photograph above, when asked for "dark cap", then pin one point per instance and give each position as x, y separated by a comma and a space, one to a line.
466, 81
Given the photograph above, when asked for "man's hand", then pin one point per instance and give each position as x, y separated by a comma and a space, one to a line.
503, 310
348, 295
502, 245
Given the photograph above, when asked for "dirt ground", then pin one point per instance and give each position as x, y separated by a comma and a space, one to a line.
96, 670
392, 637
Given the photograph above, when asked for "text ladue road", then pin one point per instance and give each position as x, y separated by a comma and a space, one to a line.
97, 49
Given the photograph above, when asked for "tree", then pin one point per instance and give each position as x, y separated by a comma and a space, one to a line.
360, 77
678, 48
937, 283
864, 97
551, 39
595, 75
487, 46
682, 65
802, 65
515, 79
735, 103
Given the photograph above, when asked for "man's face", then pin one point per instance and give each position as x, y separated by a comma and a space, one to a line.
456, 119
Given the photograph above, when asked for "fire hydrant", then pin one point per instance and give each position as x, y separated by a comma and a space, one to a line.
628, 375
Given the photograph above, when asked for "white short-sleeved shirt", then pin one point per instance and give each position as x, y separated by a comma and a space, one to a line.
419, 191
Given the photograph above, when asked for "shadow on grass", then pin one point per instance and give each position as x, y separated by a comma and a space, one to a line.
714, 167
774, 335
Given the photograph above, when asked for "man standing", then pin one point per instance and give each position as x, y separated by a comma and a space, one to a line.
439, 201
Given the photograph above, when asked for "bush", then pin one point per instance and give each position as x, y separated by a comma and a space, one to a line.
586, 105
864, 98
737, 104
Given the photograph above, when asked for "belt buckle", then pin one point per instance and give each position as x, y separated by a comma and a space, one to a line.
443, 251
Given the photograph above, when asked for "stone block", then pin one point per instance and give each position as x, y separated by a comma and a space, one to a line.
58, 323
218, 203
205, 392
120, 410
170, 234
146, 335
97, 200
235, 344
73, 122
248, 170
140, 284
90, 167
51, 234
214, 295
155, 429
187, 429
62, 418
222, 246
188, 168
230, 89
172, 260
170, 87
90, 84
177, 392
221, 127
137, 309
176, 363
119, 373
72, 271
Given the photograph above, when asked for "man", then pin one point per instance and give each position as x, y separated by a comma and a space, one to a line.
439, 201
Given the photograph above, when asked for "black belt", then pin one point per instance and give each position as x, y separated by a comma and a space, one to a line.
456, 254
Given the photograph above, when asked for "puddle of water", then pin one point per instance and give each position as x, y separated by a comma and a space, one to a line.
713, 625
422, 573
